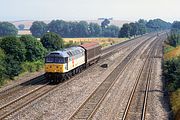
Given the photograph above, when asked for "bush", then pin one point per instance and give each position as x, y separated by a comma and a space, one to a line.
13, 67
32, 66
2, 66
172, 73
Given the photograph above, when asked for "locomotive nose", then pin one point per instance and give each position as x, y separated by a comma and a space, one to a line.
54, 68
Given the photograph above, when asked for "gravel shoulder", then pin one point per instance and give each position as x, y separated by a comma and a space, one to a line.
21, 79
158, 108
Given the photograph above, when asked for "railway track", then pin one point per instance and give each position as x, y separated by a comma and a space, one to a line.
106, 52
144, 75
89, 107
22, 101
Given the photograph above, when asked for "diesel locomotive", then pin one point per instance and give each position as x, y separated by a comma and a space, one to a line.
63, 64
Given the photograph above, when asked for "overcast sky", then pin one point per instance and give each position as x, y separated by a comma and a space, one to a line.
131, 10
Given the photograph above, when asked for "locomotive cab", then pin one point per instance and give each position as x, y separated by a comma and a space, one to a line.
63, 64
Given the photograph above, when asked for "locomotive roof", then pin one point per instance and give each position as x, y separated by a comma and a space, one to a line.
67, 52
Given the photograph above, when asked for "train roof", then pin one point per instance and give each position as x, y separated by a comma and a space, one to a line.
67, 52
88, 46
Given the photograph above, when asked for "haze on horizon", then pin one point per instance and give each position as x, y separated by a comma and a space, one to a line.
130, 10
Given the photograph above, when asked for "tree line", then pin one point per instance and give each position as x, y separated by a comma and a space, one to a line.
25, 53
142, 26
84, 29
75, 29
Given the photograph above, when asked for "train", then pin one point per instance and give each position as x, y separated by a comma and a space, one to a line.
63, 64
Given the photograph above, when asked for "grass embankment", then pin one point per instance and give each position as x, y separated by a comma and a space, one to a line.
173, 53
102, 41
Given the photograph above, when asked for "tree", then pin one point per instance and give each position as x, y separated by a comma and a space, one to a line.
82, 29
34, 48
52, 41
59, 27
12, 46
73, 29
157, 24
105, 23
133, 29
21, 26
111, 31
124, 31
15, 55
94, 30
7, 29
38, 28
2, 66
175, 27
13, 67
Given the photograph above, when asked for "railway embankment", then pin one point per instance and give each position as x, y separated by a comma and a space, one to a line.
172, 77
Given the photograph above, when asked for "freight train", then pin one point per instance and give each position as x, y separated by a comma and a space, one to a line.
63, 64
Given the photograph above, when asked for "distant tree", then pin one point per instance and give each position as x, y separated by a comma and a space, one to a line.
125, 31
52, 41
73, 32
94, 30
38, 28
82, 29
175, 27
111, 31
7, 29
105, 23
14, 47
21, 26
142, 21
133, 29
59, 27
34, 48
141, 28
157, 24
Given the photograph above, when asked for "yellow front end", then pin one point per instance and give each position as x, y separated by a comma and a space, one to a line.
54, 68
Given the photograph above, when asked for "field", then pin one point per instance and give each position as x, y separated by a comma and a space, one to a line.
102, 41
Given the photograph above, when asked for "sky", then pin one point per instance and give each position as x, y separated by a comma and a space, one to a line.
131, 10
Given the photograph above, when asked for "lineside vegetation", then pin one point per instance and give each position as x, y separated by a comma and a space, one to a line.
172, 67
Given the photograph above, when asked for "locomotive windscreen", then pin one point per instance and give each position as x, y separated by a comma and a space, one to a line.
54, 59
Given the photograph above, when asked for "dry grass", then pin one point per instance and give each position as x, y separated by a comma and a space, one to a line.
102, 41
172, 53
